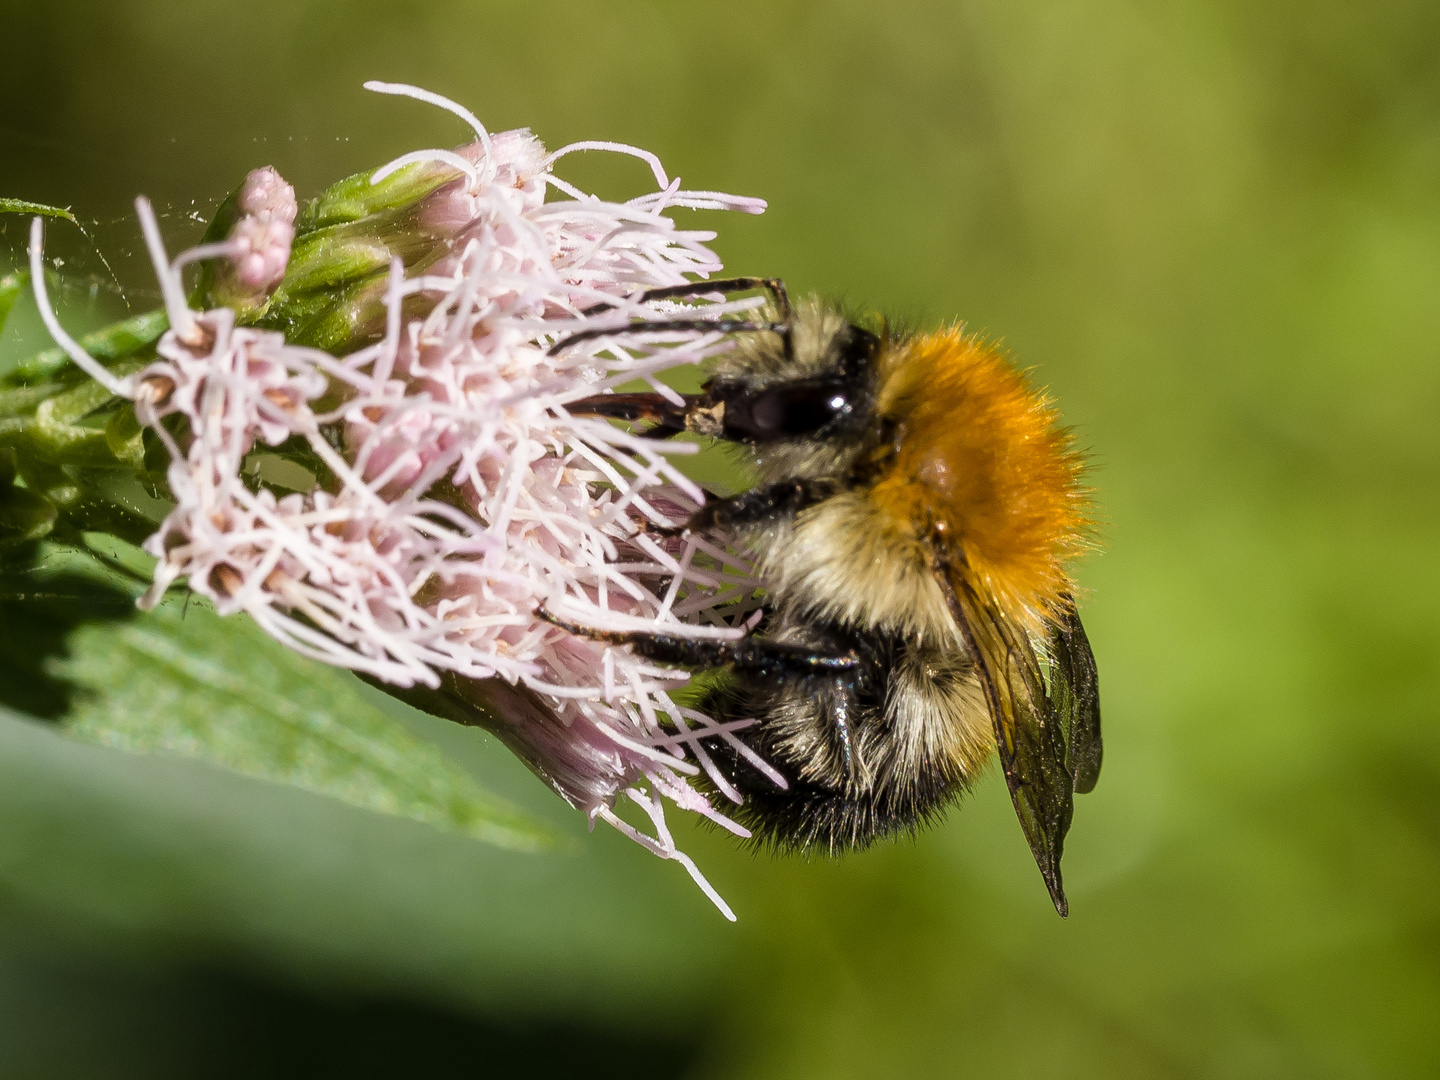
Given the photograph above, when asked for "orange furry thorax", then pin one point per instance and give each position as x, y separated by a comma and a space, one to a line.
979, 459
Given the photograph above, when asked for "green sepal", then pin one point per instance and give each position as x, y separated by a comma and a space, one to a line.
333, 295
22, 401
356, 197
96, 500
344, 324
82, 450
24, 516
326, 260
60, 429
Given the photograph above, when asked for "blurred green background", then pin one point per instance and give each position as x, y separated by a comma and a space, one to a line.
1214, 229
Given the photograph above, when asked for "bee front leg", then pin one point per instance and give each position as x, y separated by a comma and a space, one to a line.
759, 655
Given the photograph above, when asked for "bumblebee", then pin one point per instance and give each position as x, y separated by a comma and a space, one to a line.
916, 509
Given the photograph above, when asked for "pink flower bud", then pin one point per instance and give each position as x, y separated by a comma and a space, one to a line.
257, 248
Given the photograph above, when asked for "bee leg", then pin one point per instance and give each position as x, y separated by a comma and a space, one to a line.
840, 716
749, 508
758, 505
728, 326
774, 286
759, 655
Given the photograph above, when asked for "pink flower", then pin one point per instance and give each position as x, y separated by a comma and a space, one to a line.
457, 493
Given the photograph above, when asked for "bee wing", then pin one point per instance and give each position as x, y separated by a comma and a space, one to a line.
1028, 730
1075, 690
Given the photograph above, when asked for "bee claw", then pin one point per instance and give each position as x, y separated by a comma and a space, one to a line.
668, 532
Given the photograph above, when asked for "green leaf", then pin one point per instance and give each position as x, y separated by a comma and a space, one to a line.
24, 515
10, 289
184, 680
24, 206
114, 342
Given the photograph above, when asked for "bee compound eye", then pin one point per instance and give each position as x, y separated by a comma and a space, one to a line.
768, 412
797, 409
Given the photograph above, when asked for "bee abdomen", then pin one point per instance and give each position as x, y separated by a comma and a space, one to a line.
866, 753
807, 817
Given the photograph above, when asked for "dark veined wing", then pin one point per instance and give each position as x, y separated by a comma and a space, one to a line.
1075, 691
1028, 730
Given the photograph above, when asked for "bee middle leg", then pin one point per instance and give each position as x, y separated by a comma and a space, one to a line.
760, 656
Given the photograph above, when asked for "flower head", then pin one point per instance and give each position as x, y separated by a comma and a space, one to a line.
403, 509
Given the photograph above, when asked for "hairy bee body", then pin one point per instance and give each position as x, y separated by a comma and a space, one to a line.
916, 508
886, 746
867, 753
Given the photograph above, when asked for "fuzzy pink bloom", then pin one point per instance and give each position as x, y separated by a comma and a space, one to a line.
461, 494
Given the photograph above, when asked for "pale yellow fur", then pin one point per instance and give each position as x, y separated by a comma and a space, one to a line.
847, 561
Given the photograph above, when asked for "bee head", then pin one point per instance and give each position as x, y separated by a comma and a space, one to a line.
804, 394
